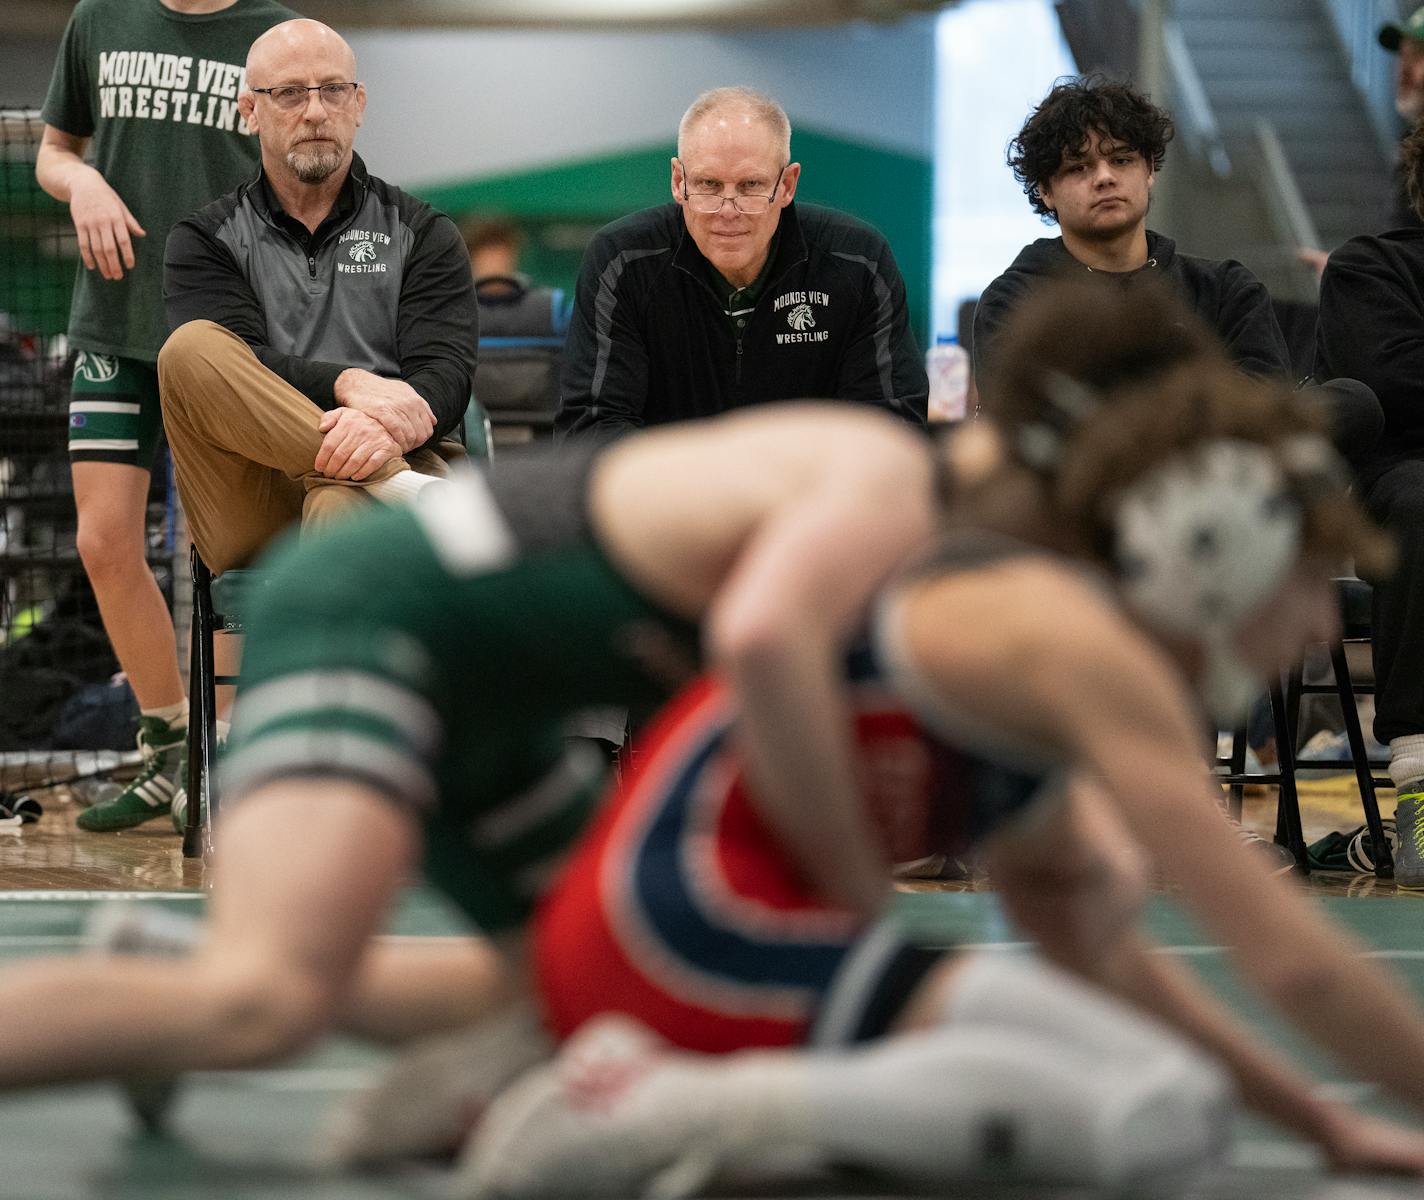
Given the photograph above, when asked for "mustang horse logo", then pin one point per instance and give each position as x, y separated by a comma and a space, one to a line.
801, 318
362, 252
96, 368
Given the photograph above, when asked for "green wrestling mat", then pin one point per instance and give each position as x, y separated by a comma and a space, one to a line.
248, 1135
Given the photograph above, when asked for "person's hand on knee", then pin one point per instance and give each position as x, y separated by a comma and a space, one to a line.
354, 445
396, 406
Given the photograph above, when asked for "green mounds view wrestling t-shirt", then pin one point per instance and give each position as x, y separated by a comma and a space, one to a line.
157, 92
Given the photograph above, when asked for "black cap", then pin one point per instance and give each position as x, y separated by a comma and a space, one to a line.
1392, 34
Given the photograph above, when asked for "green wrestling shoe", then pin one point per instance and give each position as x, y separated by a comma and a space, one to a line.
151, 792
1409, 837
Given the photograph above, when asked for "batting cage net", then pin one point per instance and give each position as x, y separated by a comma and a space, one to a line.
59, 700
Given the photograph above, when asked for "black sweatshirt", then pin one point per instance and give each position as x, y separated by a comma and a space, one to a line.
1222, 292
1372, 328
650, 342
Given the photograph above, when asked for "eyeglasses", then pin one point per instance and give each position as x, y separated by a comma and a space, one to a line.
293, 95
711, 202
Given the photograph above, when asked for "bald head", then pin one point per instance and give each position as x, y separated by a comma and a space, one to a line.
286, 52
734, 143
736, 111
304, 103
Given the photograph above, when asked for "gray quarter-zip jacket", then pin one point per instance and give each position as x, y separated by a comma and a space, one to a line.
382, 284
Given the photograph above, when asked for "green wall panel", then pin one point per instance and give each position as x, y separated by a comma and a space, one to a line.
37, 257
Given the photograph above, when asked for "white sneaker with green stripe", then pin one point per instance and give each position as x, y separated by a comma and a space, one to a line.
150, 794
1409, 837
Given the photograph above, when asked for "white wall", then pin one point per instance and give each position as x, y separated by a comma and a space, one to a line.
998, 58
452, 104
448, 105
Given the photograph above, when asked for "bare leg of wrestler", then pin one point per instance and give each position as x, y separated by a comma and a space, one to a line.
408, 990
291, 919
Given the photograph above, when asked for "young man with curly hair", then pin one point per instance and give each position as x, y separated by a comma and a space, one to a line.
1088, 158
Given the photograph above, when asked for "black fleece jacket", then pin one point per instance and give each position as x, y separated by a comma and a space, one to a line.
1372, 328
1222, 292
649, 341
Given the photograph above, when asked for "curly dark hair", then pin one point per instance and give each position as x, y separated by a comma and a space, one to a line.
1076, 108
1411, 159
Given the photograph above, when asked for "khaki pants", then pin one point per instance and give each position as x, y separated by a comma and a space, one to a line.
244, 442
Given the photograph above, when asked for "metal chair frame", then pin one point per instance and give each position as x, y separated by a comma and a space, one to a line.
203, 682
1285, 715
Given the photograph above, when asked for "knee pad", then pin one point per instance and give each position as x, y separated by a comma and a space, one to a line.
1007, 1105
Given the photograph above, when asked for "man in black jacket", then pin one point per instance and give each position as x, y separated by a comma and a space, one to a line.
1372, 326
324, 321
1088, 158
732, 294
1405, 40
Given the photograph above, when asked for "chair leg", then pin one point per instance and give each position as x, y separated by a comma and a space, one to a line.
1236, 791
1288, 825
1364, 773
201, 716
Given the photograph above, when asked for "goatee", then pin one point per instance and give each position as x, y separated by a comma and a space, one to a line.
313, 166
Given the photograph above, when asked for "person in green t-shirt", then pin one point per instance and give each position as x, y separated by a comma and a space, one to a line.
154, 85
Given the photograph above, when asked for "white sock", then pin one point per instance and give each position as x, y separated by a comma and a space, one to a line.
942, 1106
222, 728
616, 1116
174, 715
1027, 993
1406, 759
974, 1102
403, 487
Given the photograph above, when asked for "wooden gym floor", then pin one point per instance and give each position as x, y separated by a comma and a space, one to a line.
248, 1135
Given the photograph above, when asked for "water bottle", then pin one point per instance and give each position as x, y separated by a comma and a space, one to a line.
947, 365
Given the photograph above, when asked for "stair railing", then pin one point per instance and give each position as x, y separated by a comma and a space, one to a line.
1290, 218
1194, 116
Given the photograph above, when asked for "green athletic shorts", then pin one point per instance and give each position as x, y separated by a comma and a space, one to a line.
114, 414
444, 680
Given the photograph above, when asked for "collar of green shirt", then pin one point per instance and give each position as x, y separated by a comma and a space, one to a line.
737, 302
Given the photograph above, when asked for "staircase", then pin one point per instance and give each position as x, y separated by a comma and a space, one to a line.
1279, 60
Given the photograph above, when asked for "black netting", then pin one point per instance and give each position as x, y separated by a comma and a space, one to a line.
52, 642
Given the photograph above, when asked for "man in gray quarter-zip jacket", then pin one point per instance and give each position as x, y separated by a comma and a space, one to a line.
324, 322
733, 295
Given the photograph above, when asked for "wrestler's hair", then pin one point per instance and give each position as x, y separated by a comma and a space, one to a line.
759, 104
1161, 385
1078, 110
1411, 158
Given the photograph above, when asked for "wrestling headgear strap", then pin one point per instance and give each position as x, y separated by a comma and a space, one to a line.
1200, 542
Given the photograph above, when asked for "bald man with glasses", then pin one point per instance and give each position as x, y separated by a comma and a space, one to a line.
324, 321
733, 294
